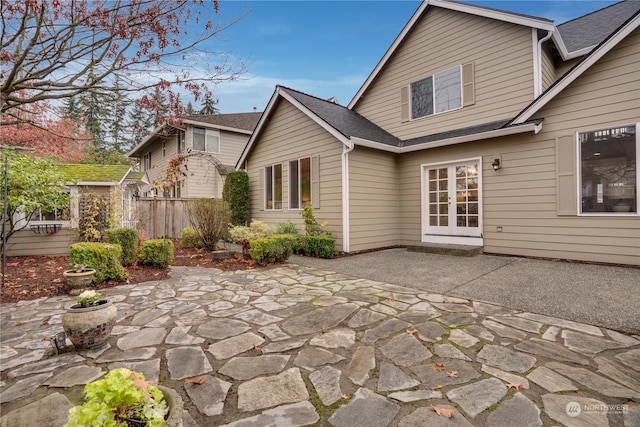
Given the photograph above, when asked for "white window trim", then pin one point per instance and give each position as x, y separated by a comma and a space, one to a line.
207, 132
579, 173
411, 118
264, 201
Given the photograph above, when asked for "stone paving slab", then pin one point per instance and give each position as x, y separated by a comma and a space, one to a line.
294, 346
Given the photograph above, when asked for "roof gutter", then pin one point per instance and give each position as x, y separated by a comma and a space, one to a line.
537, 62
534, 127
346, 241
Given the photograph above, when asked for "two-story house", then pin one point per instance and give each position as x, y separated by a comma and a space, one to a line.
477, 127
211, 145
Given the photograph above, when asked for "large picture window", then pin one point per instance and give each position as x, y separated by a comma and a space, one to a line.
300, 183
609, 170
273, 187
437, 94
206, 140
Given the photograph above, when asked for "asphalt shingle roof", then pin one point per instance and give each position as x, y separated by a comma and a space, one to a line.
93, 172
246, 121
591, 29
347, 122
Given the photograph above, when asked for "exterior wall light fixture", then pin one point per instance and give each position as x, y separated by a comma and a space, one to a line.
496, 164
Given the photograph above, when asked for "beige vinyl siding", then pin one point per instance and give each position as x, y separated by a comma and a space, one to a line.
203, 179
159, 162
503, 66
290, 135
548, 69
231, 146
26, 242
374, 199
522, 196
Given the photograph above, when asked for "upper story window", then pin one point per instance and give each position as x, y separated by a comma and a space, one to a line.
299, 183
273, 187
206, 140
609, 170
164, 148
180, 141
436, 94
146, 161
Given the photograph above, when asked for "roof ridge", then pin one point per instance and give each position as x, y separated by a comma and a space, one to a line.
591, 13
312, 96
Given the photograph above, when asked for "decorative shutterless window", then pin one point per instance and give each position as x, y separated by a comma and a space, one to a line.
437, 94
206, 140
300, 183
609, 170
180, 141
273, 187
146, 161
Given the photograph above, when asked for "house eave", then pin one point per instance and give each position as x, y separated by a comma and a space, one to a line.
212, 126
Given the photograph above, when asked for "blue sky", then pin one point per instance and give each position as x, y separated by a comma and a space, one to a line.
328, 48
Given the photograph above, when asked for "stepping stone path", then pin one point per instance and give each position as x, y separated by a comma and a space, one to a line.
295, 346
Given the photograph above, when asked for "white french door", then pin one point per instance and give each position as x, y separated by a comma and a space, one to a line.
451, 202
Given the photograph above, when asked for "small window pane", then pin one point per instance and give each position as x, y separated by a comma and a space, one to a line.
213, 143
277, 179
199, 139
422, 98
294, 203
448, 90
268, 186
305, 181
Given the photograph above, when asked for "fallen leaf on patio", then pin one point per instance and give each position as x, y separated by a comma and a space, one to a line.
194, 256
439, 386
344, 396
192, 381
411, 331
514, 385
452, 374
257, 348
438, 367
445, 412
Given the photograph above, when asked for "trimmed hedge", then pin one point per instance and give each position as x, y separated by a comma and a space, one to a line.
273, 249
158, 252
128, 239
317, 246
190, 238
236, 193
102, 257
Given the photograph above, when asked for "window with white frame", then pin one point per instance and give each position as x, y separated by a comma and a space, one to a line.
609, 170
206, 140
300, 183
146, 161
436, 94
51, 215
180, 147
273, 187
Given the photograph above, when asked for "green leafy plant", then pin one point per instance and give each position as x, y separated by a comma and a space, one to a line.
88, 299
122, 396
243, 235
316, 246
236, 193
94, 216
272, 249
102, 257
128, 239
286, 228
210, 217
190, 238
157, 252
311, 226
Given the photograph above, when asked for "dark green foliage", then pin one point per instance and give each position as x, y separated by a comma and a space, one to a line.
236, 193
286, 228
158, 252
128, 239
317, 246
190, 238
272, 249
102, 257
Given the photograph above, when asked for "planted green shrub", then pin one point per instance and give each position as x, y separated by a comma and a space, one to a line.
190, 238
210, 217
318, 246
311, 226
286, 228
128, 239
272, 249
236, 193
243, 235
102, 257
158, 252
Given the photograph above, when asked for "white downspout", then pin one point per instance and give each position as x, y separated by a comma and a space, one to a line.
345, 195
537, 62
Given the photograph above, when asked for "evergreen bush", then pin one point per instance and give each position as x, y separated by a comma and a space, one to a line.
128, 239
317, 246
236, 193
190, 238
102, 257
158, 252
272, 249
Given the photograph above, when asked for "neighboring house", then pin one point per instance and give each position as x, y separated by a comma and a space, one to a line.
51, 233
211, 144
478, 127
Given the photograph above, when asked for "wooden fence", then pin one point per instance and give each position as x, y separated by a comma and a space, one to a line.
159, 217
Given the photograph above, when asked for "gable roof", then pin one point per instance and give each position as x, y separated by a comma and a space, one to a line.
94, 173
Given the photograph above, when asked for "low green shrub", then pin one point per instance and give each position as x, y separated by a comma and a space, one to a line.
286, 228
190, 238
128, 239
317, 246
102, 257
158, 252
243, 235
273, 249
